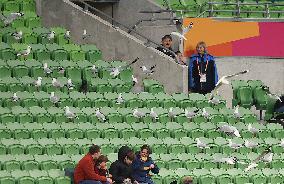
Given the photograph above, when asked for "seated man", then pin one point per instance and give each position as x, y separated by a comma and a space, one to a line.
85, 172
167, 43
121, 169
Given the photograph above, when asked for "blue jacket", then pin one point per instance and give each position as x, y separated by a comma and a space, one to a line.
141, 175
205, 65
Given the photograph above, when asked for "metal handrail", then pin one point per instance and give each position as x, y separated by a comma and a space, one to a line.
116, 23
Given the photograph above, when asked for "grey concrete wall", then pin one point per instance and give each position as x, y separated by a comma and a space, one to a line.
114, 43
270, 71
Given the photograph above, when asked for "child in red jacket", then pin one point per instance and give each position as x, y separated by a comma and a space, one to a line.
101, 166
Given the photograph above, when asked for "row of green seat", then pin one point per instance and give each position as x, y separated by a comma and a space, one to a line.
54, 52
18, 5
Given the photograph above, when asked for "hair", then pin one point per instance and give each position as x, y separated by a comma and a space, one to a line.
167, 36
130, 155
145, 146
186, 180
101, 159
202, 44
177, 52
94, 149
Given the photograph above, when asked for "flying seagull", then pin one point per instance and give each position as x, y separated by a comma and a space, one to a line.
275, 96
114, 72
182, 31
265, 156
148, 71
10, 18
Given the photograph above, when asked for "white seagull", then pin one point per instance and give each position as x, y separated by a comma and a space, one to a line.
25, 52
94, 70
229, 130
85, 35
100, 115
190, 114
115, 71
54, 99
234, 145
67, 35
275, 97
119, 99
46, 70
205, 114
69, 114
147, 71
50, 35
153, 114
236, 113
134, 80
15, 98
37, 83
138, 114
250, 144
70, 85
17, 35
56, 83
182, 31
253, 129
200, 144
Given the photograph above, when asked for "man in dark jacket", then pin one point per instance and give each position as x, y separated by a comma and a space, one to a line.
143, 164
121, 169
167, 41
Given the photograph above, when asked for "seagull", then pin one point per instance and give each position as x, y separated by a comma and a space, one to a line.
234, 145
70, 85
85, 35
94, 70
147, 71
171, 113
224, 80
275, 97
37, 83
115, 71
253, 129
46, 70
205, 114
190, 114
50, 35
25, 52
229, 130
15, 98
138, 114
119, 100
54, 99
200, 144
67, 35
134, 80
282, 143
69, 114
17, 35
153, 114
265, 156
213, 99
100, 115
61, 70
250, 144
237, 114
182, 31
56, 83
10, 18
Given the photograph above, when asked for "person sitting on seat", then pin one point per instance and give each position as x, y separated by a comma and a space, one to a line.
101, 166
143, 164
85, 172
121, 169
167, 42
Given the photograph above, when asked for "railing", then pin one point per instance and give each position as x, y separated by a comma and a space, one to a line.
117, 24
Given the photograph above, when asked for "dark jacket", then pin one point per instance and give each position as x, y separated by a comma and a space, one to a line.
119, 169
141, 175
85, 170
171, 54
206, 65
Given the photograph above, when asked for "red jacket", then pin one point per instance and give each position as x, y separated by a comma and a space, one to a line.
85, 170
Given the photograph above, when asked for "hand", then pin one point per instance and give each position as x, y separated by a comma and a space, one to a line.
135, 182
152, 166
109, 180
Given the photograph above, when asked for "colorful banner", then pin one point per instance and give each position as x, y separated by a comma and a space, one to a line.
225, 38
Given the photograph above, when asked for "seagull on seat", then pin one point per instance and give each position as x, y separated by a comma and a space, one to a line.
56, 83
138, 114
15, 98
205, 114
94, 70
70, 85
234, 145
250, 144
25, 52
100, 115
229, 130
253, 130
236, 113
153, 114
54, 99
46, 70
119, 99
49, 35
200, 144
182, 31
67, 35
190, 114
69, 114
37, 83
61, 70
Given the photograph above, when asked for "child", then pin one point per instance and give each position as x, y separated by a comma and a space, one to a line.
181, 58
101, 166
202, 71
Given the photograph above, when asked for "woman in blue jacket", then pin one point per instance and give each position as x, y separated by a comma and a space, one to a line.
142, 165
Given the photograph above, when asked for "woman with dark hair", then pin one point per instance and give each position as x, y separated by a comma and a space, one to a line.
143, 164
121, 169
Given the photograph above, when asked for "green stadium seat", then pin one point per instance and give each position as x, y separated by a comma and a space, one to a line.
11, 165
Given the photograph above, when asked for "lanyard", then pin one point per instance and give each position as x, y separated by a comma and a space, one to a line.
199, 67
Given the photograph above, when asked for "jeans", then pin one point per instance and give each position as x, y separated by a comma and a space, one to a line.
90, 182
